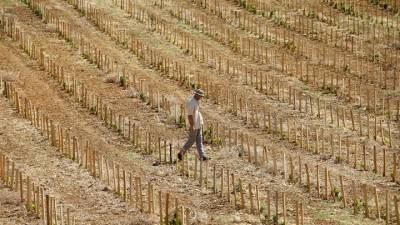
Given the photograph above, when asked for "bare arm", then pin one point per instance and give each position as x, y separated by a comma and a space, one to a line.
191, 121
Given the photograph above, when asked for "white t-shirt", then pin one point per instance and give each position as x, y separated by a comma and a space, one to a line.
193, 109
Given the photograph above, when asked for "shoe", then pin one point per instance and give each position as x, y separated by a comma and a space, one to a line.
205, 158
180, 156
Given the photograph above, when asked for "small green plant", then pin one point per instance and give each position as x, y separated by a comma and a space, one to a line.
38, 12
346, 69
242, 3
338, 159
210, 138
357, 204
175, 220
252, 9
392, 176
193, 85
335, 192
263, 209
271, 14
33, 206
289, 45
208, 134
93, 109
218, 141
114, 127
181, 122
142, 97
275, 219
122, 81
311, 14
237, 188
376, 57
291, 178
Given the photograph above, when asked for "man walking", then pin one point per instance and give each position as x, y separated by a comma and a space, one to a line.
195, 124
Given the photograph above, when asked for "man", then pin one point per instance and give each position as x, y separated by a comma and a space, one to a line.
195, 124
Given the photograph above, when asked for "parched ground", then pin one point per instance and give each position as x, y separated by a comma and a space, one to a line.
90, 199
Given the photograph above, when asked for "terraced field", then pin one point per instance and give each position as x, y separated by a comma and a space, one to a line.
301, 113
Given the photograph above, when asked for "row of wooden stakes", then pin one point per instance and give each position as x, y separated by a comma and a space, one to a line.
342, 81
229, 36
80, 151
138, 50
289, 88
304, 24
373, 12
291, 43
261, 82
283, 88
375, 164
37, 201
360, 10
53, 68
322, 137
89, 159
116, 177
351, 25
339, 155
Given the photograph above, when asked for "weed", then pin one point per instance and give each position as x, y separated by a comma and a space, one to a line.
33, 206
208, 134
123, 81
263, 209
291, 178
252, 9
338, 159
142, 97
38, 12
210, 138
357, 204
346, 69
289, 45
275, 219
392, 176
181, 121
311, 14
93, 109
271, 14
335, 192
242, 3
376, 57
193, 85
218, 141
237, 188
175, 220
